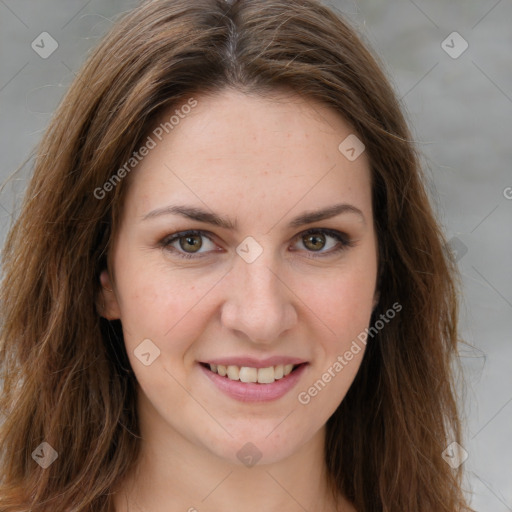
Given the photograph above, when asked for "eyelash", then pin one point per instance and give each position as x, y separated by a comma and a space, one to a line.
344, 242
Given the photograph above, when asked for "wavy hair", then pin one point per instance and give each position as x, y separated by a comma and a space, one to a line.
66, 376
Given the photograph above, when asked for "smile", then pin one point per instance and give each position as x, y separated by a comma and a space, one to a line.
250, 384
250, 374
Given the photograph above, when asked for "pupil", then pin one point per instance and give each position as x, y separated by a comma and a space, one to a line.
314, 240
194, 241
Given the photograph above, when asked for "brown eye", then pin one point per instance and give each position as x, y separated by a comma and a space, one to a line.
193, 242
188, 244
314, 241
322, 242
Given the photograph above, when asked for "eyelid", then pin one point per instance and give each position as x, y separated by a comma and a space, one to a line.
344, 242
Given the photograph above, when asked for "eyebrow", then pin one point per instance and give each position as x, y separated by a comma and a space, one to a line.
200, 215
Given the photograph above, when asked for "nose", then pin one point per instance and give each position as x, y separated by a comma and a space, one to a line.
259, 304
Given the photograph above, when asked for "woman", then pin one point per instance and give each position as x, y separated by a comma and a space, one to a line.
226, 287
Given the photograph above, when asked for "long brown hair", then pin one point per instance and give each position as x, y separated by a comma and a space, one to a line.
66, 377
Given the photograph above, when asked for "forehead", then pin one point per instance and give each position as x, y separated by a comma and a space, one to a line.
231, 148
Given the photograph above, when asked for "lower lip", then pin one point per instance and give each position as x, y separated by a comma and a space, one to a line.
252, 391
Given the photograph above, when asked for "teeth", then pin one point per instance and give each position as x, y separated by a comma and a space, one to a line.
233, 373
266, 375
248, 374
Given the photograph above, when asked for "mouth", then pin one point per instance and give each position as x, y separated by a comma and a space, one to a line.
248, 374
251, 384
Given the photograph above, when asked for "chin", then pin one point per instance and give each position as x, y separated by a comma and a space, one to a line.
262, 444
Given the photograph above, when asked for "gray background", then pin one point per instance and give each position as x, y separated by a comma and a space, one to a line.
460, 110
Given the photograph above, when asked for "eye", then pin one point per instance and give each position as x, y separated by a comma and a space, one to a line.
189, 242
316, 239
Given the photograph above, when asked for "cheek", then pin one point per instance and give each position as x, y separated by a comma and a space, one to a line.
160, 303
343, 300
343, 303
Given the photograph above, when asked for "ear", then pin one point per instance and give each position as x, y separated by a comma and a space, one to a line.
106, 303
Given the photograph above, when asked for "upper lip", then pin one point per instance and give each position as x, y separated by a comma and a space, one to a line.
254, 362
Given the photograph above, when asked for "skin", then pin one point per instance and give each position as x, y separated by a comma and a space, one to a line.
259, 161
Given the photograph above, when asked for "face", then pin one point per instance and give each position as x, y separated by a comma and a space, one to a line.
219, 259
